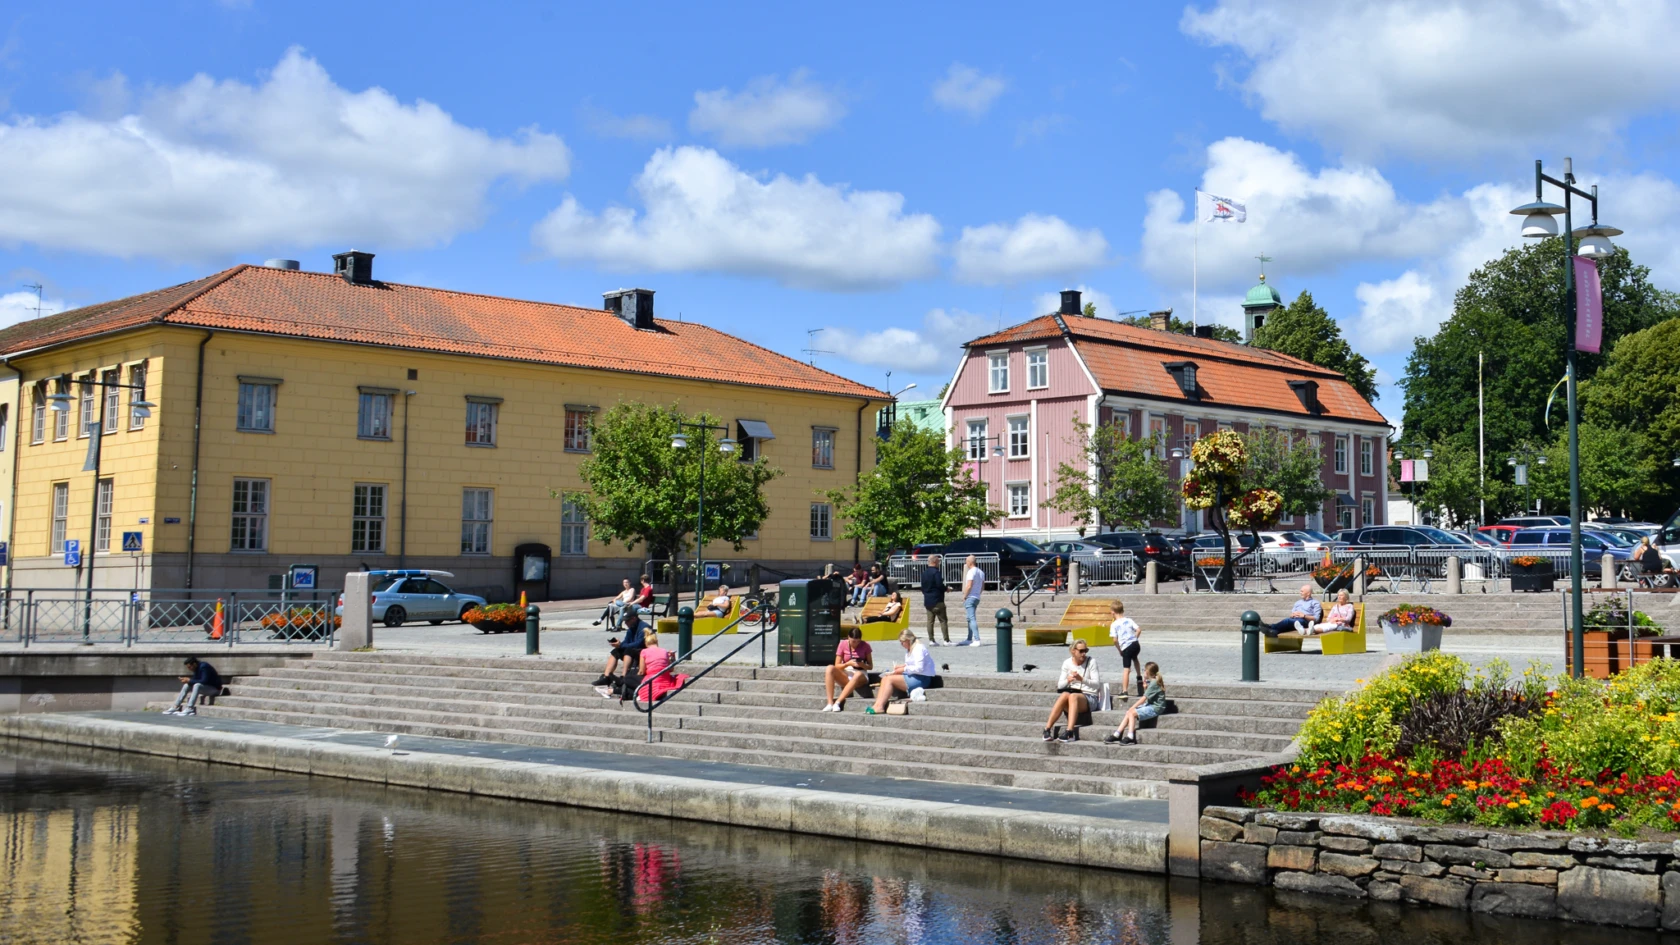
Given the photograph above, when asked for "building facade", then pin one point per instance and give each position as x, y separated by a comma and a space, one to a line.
1017, 393
335, 420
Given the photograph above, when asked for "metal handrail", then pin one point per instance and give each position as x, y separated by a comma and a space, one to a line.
764, 610
1030, 582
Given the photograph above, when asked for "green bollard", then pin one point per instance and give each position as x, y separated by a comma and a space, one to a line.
685, 632
532, 626
1005, 641
1251, 646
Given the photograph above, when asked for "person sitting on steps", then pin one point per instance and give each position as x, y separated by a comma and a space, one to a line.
1338, 620
912, 676
853, 660
1076, 694
890, 612
1151, 705
630, 650
654, 661
615, 607
1304, 614
201, 680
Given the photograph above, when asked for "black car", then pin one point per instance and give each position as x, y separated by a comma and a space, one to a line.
1404, 535
1149, 546
1017, 557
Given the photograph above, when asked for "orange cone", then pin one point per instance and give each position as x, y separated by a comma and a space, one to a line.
216, 627
521, 600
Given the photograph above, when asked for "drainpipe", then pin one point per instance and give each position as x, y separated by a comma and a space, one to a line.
198, 426
857, 474
17, 446
402, 539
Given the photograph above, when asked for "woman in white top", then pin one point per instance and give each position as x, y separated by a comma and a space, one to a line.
915, 674
1339, 618
718, 606
615, 607
1076, 694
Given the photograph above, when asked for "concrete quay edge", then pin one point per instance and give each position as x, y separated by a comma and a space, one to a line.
1072, 839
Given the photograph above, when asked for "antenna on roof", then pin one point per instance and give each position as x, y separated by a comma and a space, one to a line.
37, 287
810, 345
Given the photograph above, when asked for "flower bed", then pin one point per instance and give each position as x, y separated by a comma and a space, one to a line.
496, 618
1408, 615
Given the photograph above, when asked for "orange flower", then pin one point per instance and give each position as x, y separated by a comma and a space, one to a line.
1588, 803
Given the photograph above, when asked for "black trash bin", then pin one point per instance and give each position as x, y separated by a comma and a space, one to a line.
808, 621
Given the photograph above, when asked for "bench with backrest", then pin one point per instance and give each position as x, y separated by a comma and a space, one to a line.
704, 626
879, 629
1338, 643
1086, 618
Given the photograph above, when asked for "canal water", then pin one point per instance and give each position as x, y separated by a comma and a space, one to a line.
100, 847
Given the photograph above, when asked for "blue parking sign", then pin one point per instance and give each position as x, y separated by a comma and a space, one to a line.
132, 541
72, 553
714, 571
5, 555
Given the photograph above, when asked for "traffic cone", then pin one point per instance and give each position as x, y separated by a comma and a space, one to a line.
216, 626
521, 600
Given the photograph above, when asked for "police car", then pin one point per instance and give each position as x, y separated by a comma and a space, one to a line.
401, 596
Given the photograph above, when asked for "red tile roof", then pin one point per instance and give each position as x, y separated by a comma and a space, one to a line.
325, 307
1131, 360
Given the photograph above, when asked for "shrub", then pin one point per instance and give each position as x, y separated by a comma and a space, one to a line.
1364, 721
1448, 724
1613, 615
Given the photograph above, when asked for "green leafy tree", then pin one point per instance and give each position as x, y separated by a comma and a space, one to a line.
1619, 472
917, 492
1182, 327
1220, 483
1638, 392
1133, 485
1291, 468
641, 489
1303, 329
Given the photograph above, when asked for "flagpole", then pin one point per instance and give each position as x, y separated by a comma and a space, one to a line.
1481, 443
1195, 251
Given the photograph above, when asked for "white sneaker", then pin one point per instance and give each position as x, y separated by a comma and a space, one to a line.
917, 695
972, 643
933, 643
828, 708
171, 711
189, 712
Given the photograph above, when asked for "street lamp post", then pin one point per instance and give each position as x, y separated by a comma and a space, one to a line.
1527, 456
1539, 222
997, 451
679, 440
1411, 490
60, 403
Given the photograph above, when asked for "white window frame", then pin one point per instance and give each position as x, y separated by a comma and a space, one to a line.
1341, 455
60, 517
1367, 456
257, 401
136, 393
368, 422
38, 416
1023, 492
1020, 447
997, 372
105, 503
113, 398
574, 528
61, 418
87, 403
977, 438
5, 428
369, 505
1192, 432
254, 516
822, 447
483, 413
477, 523
576, 430
822, 521
1367, 509
1038, 368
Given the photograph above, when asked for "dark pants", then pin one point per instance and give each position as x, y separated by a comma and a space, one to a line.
1286, 625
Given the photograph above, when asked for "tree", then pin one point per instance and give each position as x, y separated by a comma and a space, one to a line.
1638, 392
1454, 487
1292, 468
1133, 486
1182, 327
1619, 472
919, 491
1305, 330
643, 489
1217, 484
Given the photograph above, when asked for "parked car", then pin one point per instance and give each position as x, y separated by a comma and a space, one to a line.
1405, 535
1076, 547
1536, 521
1311, 540
1017, 557
1482, 536
1149, 546
1593, 548
400, 596
1211, 545
922, 550
1501, 533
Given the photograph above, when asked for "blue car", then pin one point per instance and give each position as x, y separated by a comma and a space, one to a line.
401, 596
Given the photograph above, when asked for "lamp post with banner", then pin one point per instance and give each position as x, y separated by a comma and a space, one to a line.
1412, 472
679, 440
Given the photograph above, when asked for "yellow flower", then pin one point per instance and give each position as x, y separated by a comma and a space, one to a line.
1512, 805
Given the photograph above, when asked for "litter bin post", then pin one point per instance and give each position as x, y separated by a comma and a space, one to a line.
685, 632
1005, 640
1251, 646
533, 626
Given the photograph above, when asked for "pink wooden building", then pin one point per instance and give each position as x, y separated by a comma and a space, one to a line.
1017, 392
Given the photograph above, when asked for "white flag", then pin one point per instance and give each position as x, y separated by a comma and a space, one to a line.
1225, 208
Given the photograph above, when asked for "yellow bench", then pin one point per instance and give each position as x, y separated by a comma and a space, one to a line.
880, 629
703, 626
1339, 643
1086, 618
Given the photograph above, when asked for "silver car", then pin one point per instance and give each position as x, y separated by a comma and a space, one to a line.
401, 596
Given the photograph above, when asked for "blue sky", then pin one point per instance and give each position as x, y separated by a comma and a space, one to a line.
901, 178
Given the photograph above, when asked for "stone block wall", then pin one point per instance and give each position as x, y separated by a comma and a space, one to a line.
1601, 880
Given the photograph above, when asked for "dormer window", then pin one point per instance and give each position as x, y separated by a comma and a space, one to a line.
1307, 393
1184, 372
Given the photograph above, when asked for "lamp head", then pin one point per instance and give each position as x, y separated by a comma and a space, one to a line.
1540, 460
59, 401
1428, 454
726, 445
679, 440
1178, 452
1538, 218
142, 409
1594, 245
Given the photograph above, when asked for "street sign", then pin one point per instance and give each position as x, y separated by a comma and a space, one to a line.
133, 542
714, 571
304, 576
72, 553
5, 558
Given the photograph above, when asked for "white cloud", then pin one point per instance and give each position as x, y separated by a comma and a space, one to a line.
1395, 311
967, 89
1033, 247
1446, 77
210, 169
768, 112
933, 349
20, 307
634, 127
701, 212
1052, 301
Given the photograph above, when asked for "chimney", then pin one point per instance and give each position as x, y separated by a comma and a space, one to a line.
635, 306
356, 267
1160, 321
1070, 303
288, 264
1204, 331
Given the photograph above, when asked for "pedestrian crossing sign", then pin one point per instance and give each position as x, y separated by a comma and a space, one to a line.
132, 541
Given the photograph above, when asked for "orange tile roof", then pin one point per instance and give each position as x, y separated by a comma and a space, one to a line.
324, 307
1129, 359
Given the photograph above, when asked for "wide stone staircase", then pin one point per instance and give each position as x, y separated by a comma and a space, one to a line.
980, 729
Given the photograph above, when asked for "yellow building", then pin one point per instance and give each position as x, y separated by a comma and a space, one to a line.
335, 420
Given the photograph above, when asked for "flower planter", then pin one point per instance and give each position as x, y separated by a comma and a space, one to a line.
1533, 580
1411, 638
1607, 653
496, 626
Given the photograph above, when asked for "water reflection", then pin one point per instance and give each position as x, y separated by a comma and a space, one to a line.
109, 848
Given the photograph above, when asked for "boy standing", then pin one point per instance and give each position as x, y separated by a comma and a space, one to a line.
1126, 633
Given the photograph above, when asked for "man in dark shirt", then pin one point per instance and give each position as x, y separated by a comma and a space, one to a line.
629, 650
201, 680
933, 598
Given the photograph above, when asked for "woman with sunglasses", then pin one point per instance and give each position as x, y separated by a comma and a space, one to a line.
1076, 694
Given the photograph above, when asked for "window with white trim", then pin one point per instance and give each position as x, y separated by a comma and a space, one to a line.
250, 515
1019, 442
481, 422
1366, 453
60, 515
113, 398
577, 429
61, 418
574, 528
477, 515
102, 515
1038, 368
1192, 431
367, 518
977, 440
38, 415
822, 447
136, 394
256, 405
5, 425
1020, 500
1341, 455
1367, 510
997, 372
822, 521
88, 404
373, 415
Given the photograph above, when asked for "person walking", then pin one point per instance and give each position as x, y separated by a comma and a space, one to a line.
1127, 637
933, 599
974, 583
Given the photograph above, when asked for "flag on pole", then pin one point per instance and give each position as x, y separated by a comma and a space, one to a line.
1589, 305
1224, 208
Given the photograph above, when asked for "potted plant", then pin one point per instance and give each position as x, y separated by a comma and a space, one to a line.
1532, 573
298, 623
1335, 577
1203, 567
496, 618
1413, 628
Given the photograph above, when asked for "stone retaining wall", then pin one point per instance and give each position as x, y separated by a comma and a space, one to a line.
1600, 880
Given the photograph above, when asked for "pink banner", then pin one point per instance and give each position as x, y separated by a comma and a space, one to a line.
1405, 470
1589, 305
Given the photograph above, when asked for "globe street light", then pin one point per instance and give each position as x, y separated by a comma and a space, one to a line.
1520, 462
679, 440
1539, 221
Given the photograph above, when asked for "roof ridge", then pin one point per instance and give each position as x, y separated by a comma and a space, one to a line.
778, 354
1245, 354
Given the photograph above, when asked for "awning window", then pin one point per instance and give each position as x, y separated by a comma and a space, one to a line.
756, 429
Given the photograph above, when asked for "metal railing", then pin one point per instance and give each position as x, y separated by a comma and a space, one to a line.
169, 616
907, 569
762, 612
734, 571
1115, 566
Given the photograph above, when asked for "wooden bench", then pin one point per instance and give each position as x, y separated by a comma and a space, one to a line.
703, 626
1086, 618
1339, 643
879, 630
